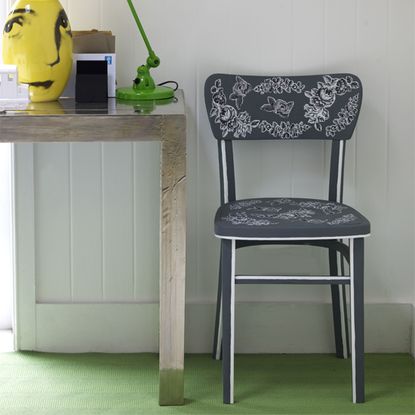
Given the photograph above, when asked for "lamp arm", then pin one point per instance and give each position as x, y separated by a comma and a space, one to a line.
144, 88
153, 61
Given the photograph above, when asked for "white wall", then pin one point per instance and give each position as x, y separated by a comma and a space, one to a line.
413, 302
84, 192
6, 262
3, 11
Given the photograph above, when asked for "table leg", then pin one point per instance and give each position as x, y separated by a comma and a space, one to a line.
172, 259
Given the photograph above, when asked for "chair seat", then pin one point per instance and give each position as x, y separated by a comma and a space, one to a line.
289, 218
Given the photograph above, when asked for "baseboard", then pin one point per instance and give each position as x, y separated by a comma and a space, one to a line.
97, 328
300, 328
260, 328
6, 341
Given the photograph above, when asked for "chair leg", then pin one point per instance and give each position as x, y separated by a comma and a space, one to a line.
345, 321
343, 307
357, 318
228, 318
339, 310
217, 338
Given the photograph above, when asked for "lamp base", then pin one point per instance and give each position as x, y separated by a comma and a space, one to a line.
158, 93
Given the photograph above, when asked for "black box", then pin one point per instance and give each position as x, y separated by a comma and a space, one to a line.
91, 81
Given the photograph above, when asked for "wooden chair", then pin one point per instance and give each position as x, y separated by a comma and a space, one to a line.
317, 107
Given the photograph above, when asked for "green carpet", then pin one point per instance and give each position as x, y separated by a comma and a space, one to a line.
46, 384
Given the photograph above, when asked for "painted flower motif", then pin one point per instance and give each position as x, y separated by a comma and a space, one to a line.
266, 127
343, 219
326, 207
345, 85
240, 90
284, 129
332, 209
227, 113
331, 131
297, 214
278, 106
282, 201
263, 212
313, 204
244, 125
298, 87
324, 96
241, 218
316, 116
316, 221
321, 98
345, 117
266, 209
218, 98
227, 119
278, 85
227, 116
216, 87
298, 129
266, 86
245, 204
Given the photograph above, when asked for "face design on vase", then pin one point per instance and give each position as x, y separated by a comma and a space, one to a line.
37, 38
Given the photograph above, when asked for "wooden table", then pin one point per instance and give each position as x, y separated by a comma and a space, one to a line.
66, 121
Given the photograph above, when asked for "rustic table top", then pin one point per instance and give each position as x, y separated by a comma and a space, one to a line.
114, 107
68, 121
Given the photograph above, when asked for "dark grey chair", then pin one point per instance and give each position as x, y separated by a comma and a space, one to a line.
318, 107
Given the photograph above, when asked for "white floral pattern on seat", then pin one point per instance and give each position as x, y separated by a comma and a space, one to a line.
288, 218
264, 212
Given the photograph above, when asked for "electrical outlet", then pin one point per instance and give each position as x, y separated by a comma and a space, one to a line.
10, 89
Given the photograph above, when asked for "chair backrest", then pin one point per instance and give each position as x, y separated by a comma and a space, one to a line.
323, 107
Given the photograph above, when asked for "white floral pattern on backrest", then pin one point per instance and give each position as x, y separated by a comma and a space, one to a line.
232, 120
284, 129
278, 106
239, 91
324, 96
278, 85
228, 117
345, 117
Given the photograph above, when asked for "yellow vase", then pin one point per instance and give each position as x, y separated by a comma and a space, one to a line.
37, 38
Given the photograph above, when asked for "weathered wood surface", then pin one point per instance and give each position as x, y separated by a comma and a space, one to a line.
172, 260
77, 129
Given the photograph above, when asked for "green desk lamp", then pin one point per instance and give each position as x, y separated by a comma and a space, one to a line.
144, 87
